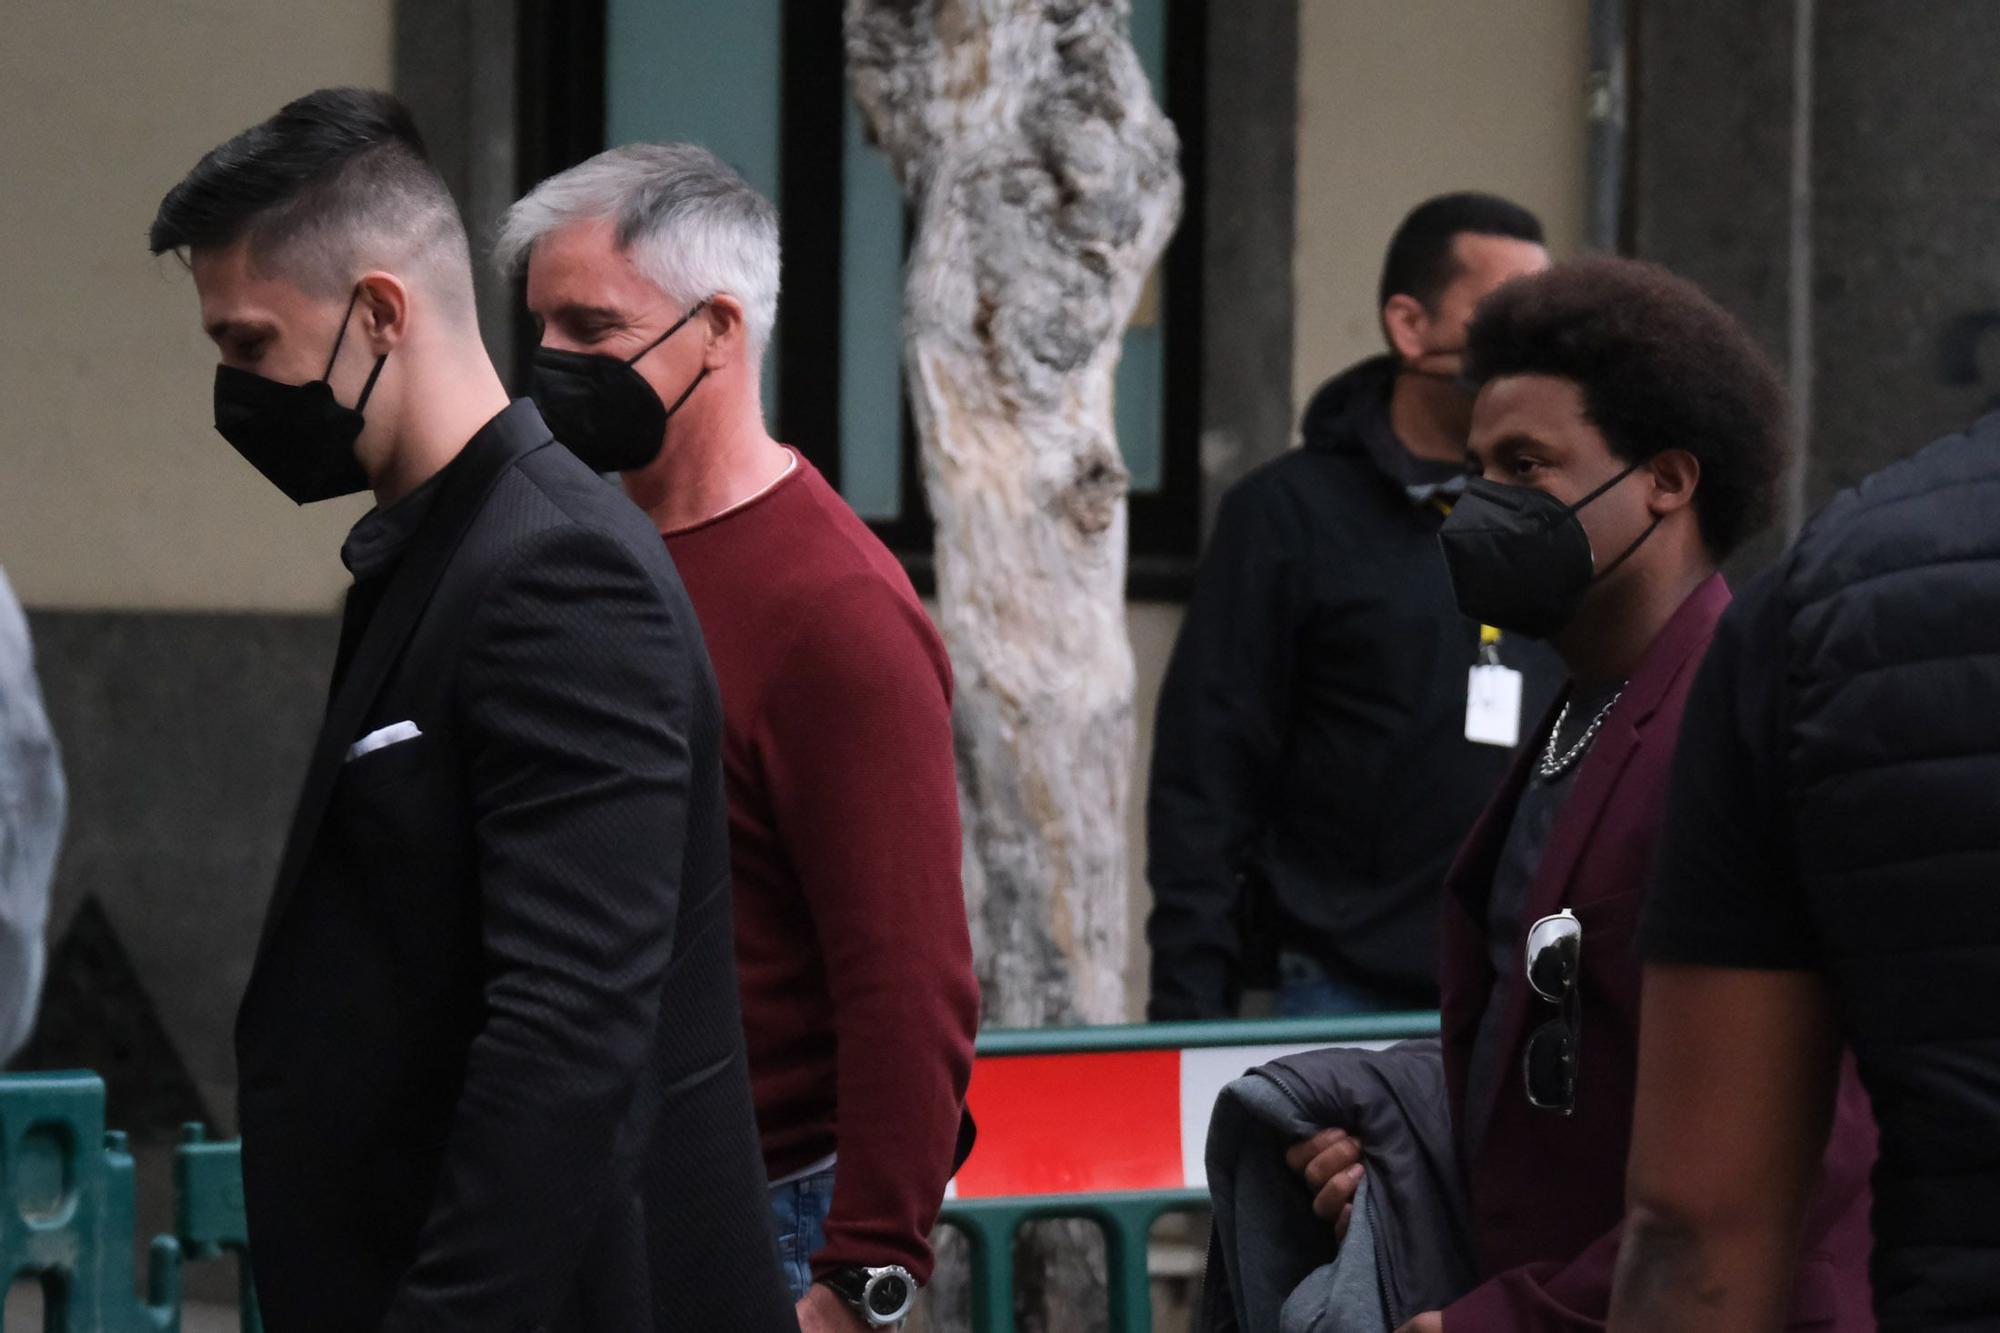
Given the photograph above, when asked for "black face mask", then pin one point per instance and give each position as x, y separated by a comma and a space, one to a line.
602, 407
1520, 560
296, 434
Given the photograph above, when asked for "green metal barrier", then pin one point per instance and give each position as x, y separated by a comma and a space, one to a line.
1125, 1219
209, 1218
68, 1214
67, 1210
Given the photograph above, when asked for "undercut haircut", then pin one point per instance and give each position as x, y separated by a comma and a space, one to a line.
336, 183
690, 224
1421, 262
1660, 366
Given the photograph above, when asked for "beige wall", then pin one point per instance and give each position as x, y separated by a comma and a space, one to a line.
1403, 99
114, 490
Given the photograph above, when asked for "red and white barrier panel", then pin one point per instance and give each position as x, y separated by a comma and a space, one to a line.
1096, 1122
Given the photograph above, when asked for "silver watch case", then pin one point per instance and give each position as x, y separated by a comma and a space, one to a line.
877, 1284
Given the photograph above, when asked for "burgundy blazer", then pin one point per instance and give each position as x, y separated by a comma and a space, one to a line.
1548, 1191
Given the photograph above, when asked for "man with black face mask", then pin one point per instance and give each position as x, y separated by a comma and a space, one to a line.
653, 272
491, 1069
1318, 752
1628, 437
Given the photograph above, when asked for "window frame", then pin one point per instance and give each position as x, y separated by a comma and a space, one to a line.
561, 102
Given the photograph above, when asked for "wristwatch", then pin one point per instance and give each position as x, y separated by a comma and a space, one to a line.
881, 1296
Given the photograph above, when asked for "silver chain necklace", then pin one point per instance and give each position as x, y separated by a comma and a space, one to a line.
1553, 765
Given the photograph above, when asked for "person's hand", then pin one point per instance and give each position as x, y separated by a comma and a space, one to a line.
1331, 1163
1431, 1322
821, 1311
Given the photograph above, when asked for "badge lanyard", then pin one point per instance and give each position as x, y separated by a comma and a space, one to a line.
1492, 696
1492, 689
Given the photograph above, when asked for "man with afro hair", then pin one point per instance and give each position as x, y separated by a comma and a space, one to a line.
1628, 436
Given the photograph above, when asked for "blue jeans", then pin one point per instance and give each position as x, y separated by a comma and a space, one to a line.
800, 1210
1307, 990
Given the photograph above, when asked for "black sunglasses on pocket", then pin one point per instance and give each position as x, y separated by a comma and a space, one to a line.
1555, 954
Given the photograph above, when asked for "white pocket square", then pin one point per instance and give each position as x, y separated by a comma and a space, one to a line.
393, 734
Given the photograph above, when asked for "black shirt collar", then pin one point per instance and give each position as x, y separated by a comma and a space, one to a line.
377, 542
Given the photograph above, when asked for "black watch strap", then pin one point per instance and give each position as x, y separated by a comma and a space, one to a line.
881, 1296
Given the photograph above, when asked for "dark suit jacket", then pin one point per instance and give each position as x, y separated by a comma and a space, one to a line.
492, 1071
1547, 1191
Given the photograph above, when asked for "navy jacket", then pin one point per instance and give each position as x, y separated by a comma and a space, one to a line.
1273, 1265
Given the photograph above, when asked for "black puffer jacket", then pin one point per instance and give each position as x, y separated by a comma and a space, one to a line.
1893, 675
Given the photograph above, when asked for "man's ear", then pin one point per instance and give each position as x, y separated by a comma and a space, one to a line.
1676, 474
1404, 323
727, 334
382, 311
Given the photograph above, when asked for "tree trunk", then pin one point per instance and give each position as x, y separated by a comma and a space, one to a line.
1045, 184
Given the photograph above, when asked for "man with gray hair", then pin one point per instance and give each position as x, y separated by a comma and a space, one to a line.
32, 798
653, 273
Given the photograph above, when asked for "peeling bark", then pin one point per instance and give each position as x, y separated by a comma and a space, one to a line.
1045, 183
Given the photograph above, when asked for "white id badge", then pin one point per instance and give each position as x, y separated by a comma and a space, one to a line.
1493, 706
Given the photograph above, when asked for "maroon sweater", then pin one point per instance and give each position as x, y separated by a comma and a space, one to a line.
852, 951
